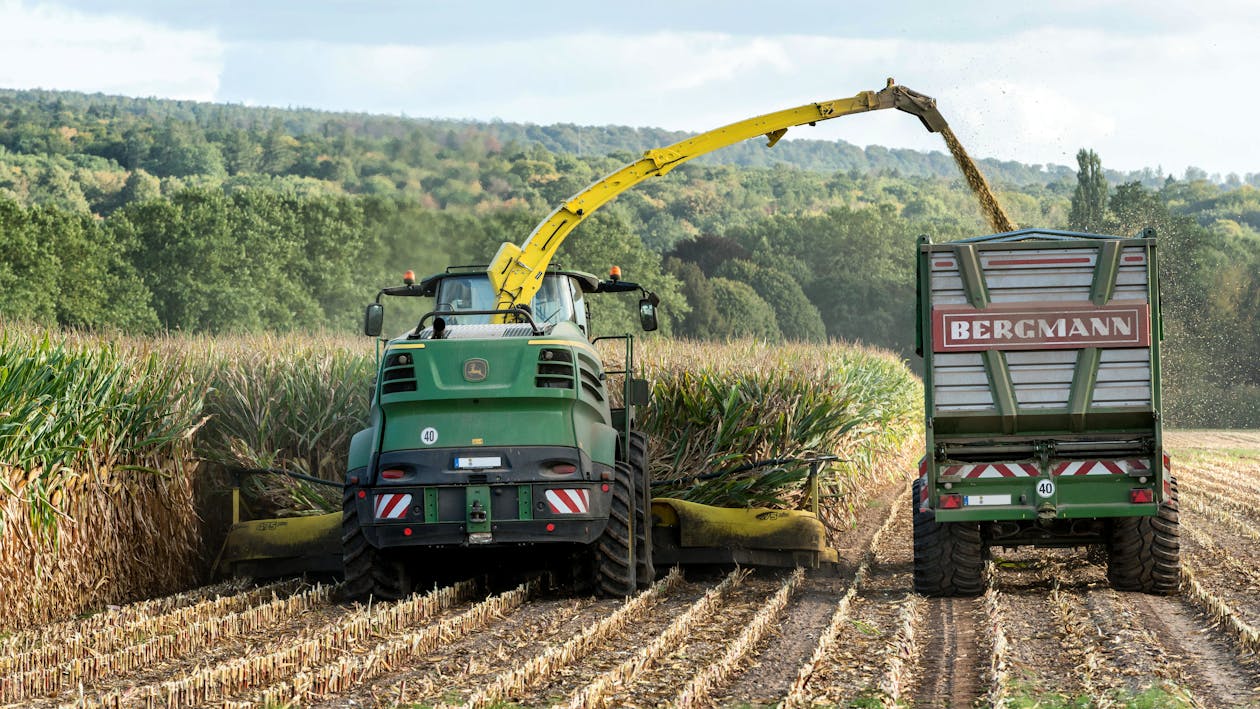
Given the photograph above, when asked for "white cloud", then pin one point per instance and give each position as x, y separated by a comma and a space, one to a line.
1036, 96
48, 46
1154, 84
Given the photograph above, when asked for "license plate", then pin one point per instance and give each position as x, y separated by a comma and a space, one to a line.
477, 463
973, 500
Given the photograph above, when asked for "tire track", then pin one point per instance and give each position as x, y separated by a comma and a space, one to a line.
954, 655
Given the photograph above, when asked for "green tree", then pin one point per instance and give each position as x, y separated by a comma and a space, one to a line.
744, 313
1089, 200
704, 322
796, 316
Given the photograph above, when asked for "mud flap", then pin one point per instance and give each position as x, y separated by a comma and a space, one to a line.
690, 533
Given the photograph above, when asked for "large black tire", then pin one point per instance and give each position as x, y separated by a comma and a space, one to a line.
369, 571
1144, 553
645, 570
948, 556
615, 572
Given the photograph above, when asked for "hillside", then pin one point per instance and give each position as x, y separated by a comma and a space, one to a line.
209, 217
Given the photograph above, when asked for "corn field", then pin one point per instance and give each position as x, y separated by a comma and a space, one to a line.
116, 450
123, 469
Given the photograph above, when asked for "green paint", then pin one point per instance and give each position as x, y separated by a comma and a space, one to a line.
1083, 379
1002, 388
525, 501
972, 275
1105, 271
430, 505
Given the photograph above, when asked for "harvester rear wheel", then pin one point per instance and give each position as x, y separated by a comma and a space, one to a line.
1144, 553
948, 556
615, 571
645, 570
369, 571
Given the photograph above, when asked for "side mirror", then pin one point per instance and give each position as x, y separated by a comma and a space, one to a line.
373, 320
647, 314
639, 392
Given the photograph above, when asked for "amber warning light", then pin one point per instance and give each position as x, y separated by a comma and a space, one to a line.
409, 277
614, 273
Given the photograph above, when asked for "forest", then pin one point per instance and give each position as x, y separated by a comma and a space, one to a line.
147, 216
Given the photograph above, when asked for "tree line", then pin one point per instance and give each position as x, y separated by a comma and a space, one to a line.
145, 215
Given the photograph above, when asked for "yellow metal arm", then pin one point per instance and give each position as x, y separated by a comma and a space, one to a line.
516, 271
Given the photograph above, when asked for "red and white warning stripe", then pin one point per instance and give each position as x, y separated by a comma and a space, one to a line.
1102, 467
923, 488
991, 470
392, 505
569, 502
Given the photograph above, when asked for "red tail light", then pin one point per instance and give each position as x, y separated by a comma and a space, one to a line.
564, 469
951, 502
1141, 495
392, 474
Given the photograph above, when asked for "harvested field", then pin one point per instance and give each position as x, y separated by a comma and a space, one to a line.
1048, 630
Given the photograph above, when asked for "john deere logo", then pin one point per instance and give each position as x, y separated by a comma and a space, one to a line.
475, 370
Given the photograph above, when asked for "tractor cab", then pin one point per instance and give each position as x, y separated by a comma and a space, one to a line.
465, 304
559, 299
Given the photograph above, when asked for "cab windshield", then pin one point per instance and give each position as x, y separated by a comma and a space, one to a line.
552, 304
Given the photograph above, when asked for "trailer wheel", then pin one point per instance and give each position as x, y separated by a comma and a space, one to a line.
615, 571
1144, 553
645, 570
948, 556
369, 571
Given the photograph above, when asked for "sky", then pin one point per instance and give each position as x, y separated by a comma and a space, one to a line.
1144, 83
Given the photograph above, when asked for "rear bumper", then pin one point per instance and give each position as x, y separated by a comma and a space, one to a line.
1028, 512
1025, 490
480, 515
482, 496
450, 534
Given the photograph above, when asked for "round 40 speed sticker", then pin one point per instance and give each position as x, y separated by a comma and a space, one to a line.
1045, 488
429, 436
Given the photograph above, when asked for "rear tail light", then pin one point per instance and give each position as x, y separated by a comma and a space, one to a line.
1141, 495
564, 469
951, 502
392, 474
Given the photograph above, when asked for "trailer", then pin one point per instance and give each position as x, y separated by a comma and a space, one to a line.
1041, 353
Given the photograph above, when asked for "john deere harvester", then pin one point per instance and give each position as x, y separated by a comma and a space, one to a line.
494, 427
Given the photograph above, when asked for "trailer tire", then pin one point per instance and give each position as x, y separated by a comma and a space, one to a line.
1144, 553
645, 570
370, 573
948, 556
616, 574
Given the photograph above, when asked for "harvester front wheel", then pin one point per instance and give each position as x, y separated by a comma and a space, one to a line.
948, 556
369, 572
1144, 553
615, 572
644, 568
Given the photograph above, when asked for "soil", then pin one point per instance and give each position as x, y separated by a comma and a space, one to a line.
1067, 635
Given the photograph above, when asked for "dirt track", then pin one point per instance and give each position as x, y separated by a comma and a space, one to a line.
1048, 626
